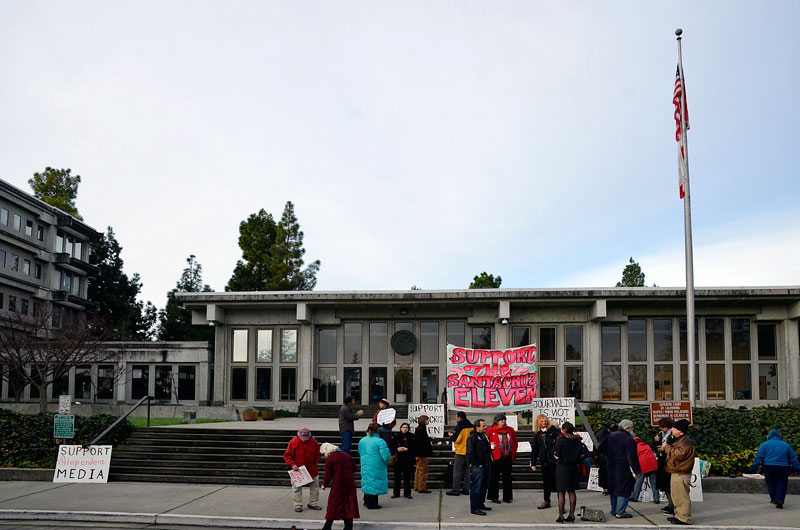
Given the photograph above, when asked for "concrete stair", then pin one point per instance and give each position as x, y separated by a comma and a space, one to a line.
324, 410
246, 457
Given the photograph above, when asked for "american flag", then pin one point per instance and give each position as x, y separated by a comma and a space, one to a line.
683, 173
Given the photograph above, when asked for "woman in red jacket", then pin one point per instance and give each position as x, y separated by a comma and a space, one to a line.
649, 465
503, 440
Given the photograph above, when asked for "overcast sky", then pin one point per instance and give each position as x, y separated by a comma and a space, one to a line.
421, 142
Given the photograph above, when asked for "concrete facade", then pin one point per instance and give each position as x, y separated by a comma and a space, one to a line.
622, 345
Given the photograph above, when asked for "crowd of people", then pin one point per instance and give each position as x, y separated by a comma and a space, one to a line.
484, 455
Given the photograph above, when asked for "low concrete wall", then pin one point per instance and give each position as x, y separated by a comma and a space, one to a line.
21, 473
156, 411
744, 485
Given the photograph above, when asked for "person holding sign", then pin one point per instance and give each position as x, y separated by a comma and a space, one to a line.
303, 450
544, 443
402, 448
375, 458
503, 440
680, 461
384, 429
340, 478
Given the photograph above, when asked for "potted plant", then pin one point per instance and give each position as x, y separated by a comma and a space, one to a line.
402, 380
268, 414
250, 414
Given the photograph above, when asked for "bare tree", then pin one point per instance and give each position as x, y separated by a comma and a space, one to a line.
37, 353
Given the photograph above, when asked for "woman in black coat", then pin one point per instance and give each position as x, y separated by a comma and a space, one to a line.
568, 454
622, 458
602, 461
402, 448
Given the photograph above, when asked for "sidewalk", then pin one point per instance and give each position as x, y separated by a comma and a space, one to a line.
214, 506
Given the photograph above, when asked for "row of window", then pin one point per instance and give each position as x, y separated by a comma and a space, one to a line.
166, 383
23, 306
262, 383
264, 345
67, 281
67, 244
14, 265
16, 224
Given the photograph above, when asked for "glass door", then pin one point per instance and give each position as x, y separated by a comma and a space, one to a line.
429, 385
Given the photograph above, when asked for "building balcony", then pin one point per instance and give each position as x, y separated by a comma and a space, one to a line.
74, 264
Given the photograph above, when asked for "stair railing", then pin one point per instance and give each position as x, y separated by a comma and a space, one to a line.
119, 420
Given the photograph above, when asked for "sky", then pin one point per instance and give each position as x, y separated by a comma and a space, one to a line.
420, 142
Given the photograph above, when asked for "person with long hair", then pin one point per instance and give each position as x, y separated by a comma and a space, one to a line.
340, 478
544, 443
375, 459
402, 449
568, 454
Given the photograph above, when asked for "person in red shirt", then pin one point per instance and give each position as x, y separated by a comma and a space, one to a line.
303, 450
503, 440
649, 465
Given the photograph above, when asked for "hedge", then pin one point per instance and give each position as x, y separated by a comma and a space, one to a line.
728, 438
27, 439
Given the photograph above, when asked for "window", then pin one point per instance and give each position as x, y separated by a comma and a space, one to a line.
715, 381
36, 308
573, 336
288, 383
83, 382
40, 232
61, 386
37, 271
23, 306
637, 341
685, 381
1, 306
683, 332
2, 258
403, 384
26, 267
662, 339
740, 339
352, 383
288, 345
327, 385
163, 382
17, 222
378, 342
572, 375
377, 385
766, 341
612, 383
29, 228
239, 346
430, 385
56, 317
547, 381
140, 381
186, 383
742, 383
429, 343
12, 303
4, 216
263, 346
14, 262
482, 338
59, 242
77, 250
768, 381
715, 339
663, 382
456, 333
521, 336
610, 344
238, 383
352, 343
547, 344
105, 382
263, 383
327, 346
637, 382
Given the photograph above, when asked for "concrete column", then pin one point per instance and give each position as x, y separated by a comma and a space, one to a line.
593, 363
221, 357
306, 366
791, 345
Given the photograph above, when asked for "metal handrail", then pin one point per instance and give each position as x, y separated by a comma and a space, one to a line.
117, 422
304, 394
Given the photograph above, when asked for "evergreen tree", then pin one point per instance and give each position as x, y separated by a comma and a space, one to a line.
256, 237
115, 294
632, 275
57, 188
485, 281
175, 320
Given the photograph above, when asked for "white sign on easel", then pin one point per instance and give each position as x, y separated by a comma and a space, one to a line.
435, 414
559, 409
512, 421
301, 477
386, 416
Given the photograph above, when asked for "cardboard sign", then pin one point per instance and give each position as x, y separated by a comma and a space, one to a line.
559, 409
386, 416
696, 485
524, 447
77, 463
676, 410
489, 381
435, 413
594, 480
512, 421
301, 477
587, 440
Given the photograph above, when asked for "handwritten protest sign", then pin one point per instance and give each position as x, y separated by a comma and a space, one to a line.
386, 416
77, 463
587, 440
301, 477
594, 480
435, 413
491, 380
559, 409
524, 447
512, 421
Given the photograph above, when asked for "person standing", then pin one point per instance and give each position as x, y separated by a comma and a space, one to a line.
777, 459
568, 454
423, 449
544, 443
402, 447
602, 458
503, 441
340, 478
303, 450
346, 419
647, 461
662, 477
680, 461
479, 456
622, 458
458, 438
374, 454
384, 430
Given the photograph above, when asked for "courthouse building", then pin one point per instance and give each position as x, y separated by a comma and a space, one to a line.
625, 345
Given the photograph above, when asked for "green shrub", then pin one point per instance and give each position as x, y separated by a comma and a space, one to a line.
28, 441
728, 438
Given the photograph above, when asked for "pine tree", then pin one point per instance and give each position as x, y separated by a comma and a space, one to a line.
632, 275
256, 237
485, 281
57, 188
175, 320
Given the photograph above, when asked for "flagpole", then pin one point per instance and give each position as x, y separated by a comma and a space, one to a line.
687, 221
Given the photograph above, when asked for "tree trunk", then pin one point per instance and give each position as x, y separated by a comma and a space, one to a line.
42, 398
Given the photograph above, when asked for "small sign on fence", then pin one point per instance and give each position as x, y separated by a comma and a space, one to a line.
63, 426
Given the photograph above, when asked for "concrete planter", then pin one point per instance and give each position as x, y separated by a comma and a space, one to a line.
268, 414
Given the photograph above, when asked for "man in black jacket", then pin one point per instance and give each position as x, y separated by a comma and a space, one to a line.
544, 443
479, 456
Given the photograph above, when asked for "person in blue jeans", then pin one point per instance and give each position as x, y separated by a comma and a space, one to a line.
346, 419
479, 457
777, 459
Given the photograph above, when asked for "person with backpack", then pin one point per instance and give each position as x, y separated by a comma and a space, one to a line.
649, 465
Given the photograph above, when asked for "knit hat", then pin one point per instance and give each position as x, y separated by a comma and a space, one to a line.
681, 425
625, 425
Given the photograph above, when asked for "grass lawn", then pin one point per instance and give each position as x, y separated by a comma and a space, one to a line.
142, 422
